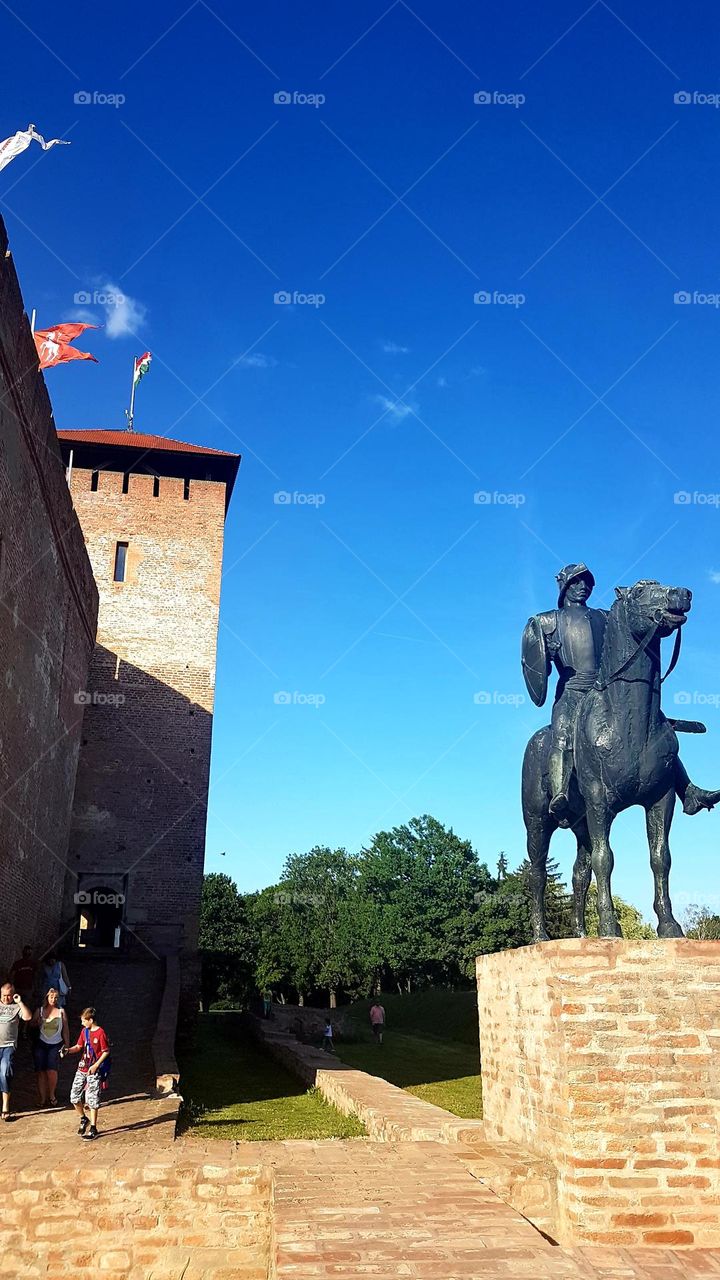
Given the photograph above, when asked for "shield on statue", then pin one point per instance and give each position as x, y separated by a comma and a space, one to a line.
535, 661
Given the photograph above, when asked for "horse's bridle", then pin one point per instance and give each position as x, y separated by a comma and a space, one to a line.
646, 640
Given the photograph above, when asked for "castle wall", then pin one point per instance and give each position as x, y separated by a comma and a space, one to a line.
48, 611
140, 801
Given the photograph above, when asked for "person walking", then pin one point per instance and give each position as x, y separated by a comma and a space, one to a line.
22, 975
51, 1020
54, 974
328, 1045
13, 1011
91, 1075
377, 1021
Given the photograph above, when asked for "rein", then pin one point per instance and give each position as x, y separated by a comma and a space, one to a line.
640, 648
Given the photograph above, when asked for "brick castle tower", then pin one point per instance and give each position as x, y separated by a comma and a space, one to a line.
152, 512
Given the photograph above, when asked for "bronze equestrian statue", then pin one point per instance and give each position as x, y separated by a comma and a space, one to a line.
609, 745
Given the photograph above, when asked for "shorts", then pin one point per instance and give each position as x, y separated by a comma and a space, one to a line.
7, 1053
46, 1056
87, 1089
378, 1028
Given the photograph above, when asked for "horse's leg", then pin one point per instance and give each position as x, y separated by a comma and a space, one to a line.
599, 821
539, 831
658, 818
581, 876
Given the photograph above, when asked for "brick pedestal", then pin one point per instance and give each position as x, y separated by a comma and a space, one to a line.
604, 1055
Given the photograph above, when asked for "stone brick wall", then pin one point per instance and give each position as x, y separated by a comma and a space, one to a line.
201, 1217
48, 611
604, 1054
140, 802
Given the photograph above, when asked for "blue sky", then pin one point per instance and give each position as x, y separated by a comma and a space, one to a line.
385, 589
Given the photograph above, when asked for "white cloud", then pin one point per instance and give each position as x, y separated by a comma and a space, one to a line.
442, 380
714, 575
396, 409
393, 349
256, 360
123, 315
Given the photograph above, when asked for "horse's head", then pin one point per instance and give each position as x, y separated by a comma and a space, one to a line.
649, 604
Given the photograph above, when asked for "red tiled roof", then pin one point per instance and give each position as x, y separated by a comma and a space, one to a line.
136, 440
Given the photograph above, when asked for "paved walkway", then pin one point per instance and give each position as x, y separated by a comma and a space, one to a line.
130, 991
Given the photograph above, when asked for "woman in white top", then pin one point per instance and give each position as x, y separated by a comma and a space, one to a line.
53, 1024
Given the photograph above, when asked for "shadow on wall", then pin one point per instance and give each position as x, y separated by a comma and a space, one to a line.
139, 811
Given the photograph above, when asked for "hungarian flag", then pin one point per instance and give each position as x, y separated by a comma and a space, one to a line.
20, 141
53, 345
142, 364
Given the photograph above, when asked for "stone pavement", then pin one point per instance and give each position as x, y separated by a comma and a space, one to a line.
127, 995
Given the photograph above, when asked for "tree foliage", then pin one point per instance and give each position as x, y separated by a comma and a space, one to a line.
411, 910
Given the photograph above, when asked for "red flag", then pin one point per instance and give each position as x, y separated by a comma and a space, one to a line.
53, 345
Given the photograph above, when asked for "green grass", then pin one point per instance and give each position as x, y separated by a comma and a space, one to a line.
233, 1089
450, 1016
430, 1047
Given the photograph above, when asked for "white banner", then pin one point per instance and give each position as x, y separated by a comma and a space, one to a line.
20, 141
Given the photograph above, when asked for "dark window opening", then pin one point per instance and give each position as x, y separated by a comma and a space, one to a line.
126, 481
156, 486
186, 489
94, 481
120, 561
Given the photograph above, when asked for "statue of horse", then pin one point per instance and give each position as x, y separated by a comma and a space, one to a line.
625, 753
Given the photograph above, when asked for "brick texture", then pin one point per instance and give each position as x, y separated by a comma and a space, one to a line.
603, 1055
140, 802
48, 610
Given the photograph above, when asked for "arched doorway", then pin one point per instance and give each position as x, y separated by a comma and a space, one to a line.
99, 917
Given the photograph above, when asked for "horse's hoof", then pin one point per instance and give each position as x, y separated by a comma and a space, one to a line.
669, 929
609, 929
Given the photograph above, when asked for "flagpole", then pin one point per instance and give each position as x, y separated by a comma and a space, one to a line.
131, 411
32, 320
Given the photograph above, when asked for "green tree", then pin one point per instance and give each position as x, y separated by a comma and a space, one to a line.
226, 943
701, 924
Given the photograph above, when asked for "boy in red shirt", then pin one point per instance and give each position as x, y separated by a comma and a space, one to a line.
91, 1075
